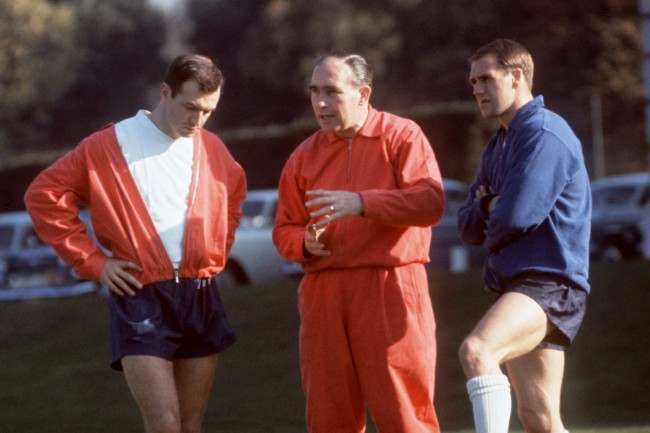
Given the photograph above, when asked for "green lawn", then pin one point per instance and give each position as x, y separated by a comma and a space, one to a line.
54, 374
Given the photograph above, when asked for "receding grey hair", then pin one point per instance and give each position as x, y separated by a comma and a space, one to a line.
361, 70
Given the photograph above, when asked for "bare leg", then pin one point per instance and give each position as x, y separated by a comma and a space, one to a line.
537, 381
172, 397
151, 381
515, 325
194, 379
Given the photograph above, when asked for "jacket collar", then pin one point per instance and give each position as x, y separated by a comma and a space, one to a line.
524, 112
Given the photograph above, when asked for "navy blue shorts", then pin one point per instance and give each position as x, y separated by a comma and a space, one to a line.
169, 320
564, 304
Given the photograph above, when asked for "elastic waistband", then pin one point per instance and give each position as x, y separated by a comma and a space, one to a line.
184, 283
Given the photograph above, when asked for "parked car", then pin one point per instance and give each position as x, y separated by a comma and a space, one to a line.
26, 261
447, 251
14, 228
619, 205
253, 258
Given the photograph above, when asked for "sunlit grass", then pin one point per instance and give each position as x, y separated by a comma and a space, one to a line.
54, 374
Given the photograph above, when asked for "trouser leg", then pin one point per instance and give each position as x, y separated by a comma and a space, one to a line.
392, 334
334, 403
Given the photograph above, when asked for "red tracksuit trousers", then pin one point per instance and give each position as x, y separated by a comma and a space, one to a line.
367, 337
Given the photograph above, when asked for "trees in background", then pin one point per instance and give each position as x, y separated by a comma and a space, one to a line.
69, 66
119, 45
420, 48
37, 66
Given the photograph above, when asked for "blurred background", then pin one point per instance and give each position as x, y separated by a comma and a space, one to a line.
69, 67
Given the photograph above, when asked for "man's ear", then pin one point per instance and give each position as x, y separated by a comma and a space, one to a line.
517, 77
365, 91
165, 91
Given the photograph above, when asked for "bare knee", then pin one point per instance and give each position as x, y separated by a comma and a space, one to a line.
476, 358
166, 423
535, 420
191, 425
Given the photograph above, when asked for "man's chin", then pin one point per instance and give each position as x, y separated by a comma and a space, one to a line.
489, 114
187, 132
326, 127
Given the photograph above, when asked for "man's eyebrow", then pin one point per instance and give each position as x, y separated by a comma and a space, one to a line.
326, 88
190, 104
478, 77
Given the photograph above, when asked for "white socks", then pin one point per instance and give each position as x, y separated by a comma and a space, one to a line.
491, 402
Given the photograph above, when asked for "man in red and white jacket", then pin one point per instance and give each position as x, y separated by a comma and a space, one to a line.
164, 196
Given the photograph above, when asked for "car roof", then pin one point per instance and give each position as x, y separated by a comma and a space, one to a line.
262, 193
15, 217
639, 178
453, 184
24, 218
272, 192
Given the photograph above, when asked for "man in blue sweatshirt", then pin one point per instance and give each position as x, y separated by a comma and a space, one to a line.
530, 206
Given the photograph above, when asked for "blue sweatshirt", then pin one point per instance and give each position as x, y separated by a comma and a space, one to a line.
541, 222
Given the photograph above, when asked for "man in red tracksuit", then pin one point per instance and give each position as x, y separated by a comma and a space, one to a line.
164, 197
356, 203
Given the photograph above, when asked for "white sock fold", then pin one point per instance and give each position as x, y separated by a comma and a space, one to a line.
491, 402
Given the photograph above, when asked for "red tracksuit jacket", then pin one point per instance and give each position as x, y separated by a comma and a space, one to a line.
391, 164
95, 173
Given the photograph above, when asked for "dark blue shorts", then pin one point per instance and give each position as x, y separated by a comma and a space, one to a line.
169, 320
564, 304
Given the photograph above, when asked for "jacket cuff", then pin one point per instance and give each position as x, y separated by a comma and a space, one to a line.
92, 267
370, 203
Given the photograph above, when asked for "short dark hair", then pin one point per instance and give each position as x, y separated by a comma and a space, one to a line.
361, 69
509, 54
194, 67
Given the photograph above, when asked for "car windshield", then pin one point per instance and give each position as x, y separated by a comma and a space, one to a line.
6, 234
252, 208
254, 215
613, 196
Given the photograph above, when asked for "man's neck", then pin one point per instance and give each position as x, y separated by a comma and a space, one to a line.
506, 118
157, 118
352, 131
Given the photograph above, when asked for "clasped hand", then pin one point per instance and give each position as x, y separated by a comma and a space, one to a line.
483, 191
331, 205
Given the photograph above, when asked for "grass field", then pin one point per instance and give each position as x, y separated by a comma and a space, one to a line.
54, 376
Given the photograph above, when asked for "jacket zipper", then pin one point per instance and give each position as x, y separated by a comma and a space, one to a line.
194, 185
348, 181
349, 173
